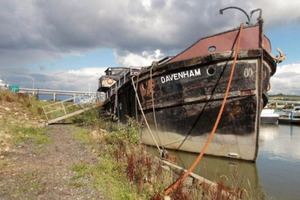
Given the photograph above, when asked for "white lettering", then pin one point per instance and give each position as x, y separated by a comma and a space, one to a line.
191, 73
168, 78
197, 72
186, 73
175, 77
180, 75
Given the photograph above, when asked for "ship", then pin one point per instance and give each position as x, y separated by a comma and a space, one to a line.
178, 98
269, 116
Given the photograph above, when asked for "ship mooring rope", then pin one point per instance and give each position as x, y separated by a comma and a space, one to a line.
145, 119
178, 182
153, 106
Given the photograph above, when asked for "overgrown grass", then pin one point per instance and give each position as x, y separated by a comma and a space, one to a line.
19, 117
127, 171
88, 118
29, 103
35, 136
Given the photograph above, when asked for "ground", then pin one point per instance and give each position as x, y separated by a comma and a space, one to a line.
46, 171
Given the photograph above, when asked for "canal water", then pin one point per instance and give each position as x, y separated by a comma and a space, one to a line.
275, 175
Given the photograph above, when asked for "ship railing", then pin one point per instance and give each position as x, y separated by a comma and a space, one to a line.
121, 80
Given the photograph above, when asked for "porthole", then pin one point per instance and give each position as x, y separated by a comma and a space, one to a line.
144, 86
212, 48
211, 71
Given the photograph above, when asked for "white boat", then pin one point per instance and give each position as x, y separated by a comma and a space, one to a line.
268, 116
3, 85
290, 116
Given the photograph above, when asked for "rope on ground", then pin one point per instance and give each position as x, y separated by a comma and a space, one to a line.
178, 182
145, 119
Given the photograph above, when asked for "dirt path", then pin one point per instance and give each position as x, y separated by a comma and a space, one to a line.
45, 171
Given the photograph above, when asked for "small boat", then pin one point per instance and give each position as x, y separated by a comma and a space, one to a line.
3, 85
268, 116
290, 116
178, 98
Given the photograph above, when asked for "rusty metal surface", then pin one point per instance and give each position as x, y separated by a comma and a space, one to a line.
185, 94
224, 42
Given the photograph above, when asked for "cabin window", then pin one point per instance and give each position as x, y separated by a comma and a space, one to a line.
210, 71
212, 48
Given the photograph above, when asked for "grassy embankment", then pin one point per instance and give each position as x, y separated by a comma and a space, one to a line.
285, 97
125, 170
20, 121
281, 97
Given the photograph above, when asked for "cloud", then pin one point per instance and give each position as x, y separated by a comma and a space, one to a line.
33, 31
77, 80
83, 79
143, 59
286, 79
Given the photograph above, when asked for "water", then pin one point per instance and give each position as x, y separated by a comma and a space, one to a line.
49, 97
278, 162
276, 174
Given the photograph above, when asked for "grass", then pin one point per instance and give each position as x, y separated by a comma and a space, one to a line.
35, 136
127, 171
19, 116
285, 97
27, 186
82, 135
29, 103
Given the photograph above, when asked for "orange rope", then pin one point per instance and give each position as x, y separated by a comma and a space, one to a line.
178, 182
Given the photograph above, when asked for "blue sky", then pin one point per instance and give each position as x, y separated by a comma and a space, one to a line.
287, 38
67, 44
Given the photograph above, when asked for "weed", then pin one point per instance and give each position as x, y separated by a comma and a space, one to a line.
88, 118
8, 99
179, 193
3, 164
126, 171
76, 184
28, 185
81, 169
34, 135
83, 136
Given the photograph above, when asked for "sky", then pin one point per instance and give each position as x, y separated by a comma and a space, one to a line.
67, 44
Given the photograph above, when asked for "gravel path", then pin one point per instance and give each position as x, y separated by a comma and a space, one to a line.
45, 171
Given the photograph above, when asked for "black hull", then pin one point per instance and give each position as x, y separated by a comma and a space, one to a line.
187, 97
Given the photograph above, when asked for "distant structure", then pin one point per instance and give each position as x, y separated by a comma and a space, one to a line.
57, 92
3, 85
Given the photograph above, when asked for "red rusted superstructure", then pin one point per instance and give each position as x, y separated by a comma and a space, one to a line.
181, 96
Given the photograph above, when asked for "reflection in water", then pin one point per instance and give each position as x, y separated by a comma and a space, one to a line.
291, 131
278, 161
277, 171
280, 142
233, 173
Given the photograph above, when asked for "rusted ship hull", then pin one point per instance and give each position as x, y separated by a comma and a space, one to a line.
187, 108
181, 97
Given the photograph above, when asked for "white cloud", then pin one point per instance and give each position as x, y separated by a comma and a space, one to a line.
286, 79
143, 59
79, 80
38, 30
